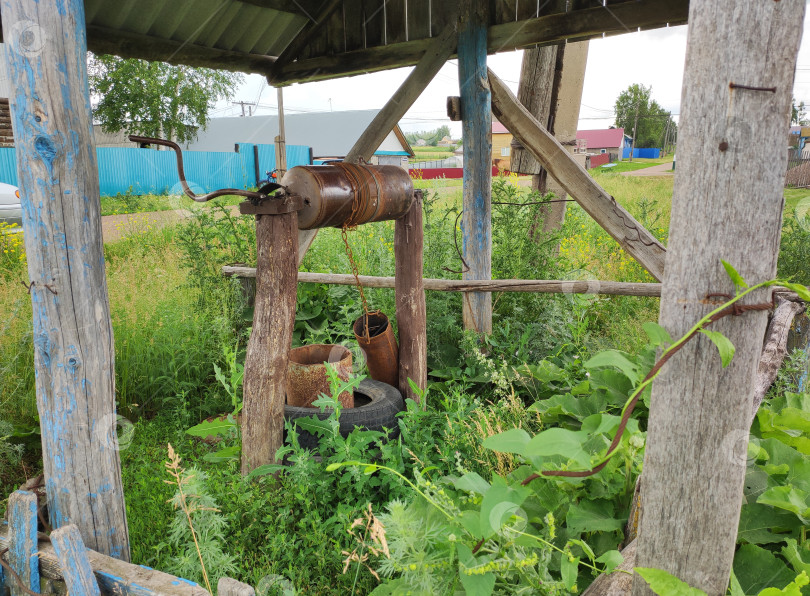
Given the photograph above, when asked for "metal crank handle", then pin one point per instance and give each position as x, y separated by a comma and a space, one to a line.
254, 197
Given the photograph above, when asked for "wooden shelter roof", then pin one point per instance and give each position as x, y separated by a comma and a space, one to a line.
309, 40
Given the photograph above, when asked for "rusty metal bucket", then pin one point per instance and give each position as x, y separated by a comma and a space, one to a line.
380, 347
306, 373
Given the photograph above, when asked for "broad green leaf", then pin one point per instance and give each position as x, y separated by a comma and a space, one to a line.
222, 455
569, 569
616, 359
788, 498
474, 585
311, 424
471, 521
762, 524
265, 470
558, 441
477, 585
794, 588
473, 483
600, 423
666, 584
611, 559
798, 557
657, 334
801, 290
499, 505
757, 569
593, 516
736, 278
510, 441
585, 548
734, 587
208, 428
724, 345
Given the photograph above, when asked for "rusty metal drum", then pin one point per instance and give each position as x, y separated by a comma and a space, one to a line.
330, 191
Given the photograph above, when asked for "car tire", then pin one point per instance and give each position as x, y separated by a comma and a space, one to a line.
376, 406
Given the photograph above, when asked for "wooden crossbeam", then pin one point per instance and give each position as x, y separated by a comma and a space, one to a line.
602, 207
102, 40
113, 575
549, 29
544, 286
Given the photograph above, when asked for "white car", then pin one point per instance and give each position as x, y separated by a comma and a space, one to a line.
10, 208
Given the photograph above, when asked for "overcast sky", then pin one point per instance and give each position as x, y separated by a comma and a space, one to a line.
653, 58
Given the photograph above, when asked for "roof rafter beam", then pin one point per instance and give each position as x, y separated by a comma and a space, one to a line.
137, 45
549, 29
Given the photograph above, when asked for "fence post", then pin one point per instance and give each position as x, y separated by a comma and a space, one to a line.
22, 554
476, 115
46, 53
72, 555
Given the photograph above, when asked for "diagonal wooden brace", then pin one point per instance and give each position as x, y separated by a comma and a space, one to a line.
602, 207
437, 53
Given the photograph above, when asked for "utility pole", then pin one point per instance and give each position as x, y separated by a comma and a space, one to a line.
243, 104
666, 136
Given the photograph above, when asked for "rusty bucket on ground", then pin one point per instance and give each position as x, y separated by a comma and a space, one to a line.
380, 347
306, 373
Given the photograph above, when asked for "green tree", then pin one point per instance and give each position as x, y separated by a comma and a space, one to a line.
431, 137
798, 114
155, 99
637, 100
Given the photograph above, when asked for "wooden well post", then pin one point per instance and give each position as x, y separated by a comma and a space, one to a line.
476, 119
727, 204
265, 384
73, 339
410, 299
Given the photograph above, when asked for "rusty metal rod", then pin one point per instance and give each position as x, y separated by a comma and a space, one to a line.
254, 196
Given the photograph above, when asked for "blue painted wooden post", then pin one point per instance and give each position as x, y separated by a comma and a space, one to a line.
22, 554
72, 555
46, 52
476, 115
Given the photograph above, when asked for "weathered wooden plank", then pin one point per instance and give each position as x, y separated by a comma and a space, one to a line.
335, 33
265, 383
569, 82
527, 9
395, 21
544, 30
435, 56
614, 288
535, 93
353, 24
731, 144
230, 587
418, 19
73, 341
374, 22
22, 556
72, 555
602, 207
127, 44
476, 117
305, 39
115, 577
775, 349
410, 300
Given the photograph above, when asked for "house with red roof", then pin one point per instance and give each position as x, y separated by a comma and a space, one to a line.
611, 140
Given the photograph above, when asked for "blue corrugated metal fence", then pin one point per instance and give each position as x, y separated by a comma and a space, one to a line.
642, 153
148, 171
